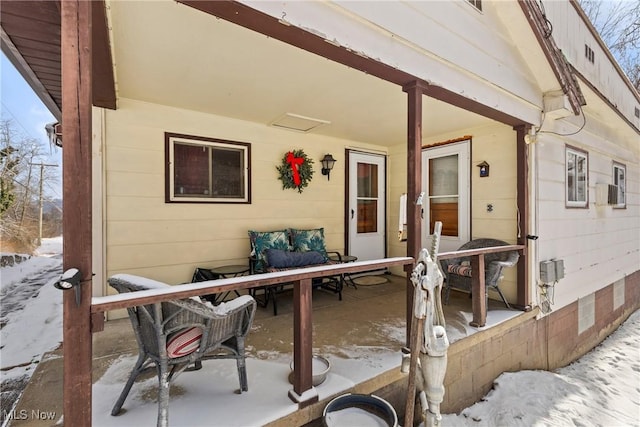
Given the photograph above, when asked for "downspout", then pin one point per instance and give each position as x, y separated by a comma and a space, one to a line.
98, 201
533, 221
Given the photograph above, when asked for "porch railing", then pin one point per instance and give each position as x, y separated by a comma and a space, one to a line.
303, 392
479, 302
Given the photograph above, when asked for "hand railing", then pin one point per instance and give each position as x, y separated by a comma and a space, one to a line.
479, 302
303, 392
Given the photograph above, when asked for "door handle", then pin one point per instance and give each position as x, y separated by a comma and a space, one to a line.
352, 212
422, 213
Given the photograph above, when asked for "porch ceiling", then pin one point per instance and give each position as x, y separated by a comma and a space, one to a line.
171, 54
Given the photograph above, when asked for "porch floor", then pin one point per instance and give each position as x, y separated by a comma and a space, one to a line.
361, 336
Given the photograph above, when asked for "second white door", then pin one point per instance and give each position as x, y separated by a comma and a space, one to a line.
446, 182
366, 209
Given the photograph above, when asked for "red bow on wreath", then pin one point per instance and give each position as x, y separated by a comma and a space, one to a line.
295, 163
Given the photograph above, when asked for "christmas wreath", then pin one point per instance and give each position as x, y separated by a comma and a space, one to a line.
295, 170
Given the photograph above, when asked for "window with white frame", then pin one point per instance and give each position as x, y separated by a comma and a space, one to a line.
206, 170
576, 178
620, 181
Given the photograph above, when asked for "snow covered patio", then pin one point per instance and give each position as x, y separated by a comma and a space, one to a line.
362, 336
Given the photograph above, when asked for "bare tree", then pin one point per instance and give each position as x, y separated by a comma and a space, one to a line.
19, 187
618, 23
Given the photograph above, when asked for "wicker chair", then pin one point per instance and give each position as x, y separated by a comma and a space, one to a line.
176, 334
458, 270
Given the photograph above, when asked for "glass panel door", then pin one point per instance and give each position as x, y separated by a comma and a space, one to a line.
366, 206
446, 183
367, 198
444, 194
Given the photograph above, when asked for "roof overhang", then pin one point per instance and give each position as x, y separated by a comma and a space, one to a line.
31, 40
250, 18
30, 33
561, 69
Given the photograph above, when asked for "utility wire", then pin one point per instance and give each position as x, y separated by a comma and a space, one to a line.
29, 134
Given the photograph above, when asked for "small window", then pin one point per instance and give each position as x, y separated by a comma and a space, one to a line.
206, 170
620, 181
476, 3
577, 172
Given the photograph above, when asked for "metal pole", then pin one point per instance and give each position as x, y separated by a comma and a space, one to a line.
42, 165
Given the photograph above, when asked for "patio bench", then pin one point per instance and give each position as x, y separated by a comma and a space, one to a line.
288, 249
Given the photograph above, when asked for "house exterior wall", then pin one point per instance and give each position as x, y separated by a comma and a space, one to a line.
165, 241
599, 244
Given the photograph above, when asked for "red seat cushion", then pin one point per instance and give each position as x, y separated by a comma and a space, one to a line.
459, 269
184, 342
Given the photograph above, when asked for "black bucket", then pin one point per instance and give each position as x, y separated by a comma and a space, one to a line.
360, 410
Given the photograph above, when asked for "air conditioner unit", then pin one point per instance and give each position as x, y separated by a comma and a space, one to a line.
606, 194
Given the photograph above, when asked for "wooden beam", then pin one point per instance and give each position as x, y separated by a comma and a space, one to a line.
303, 392
478, 292
414, 92
522, 188
104, 86
76, 190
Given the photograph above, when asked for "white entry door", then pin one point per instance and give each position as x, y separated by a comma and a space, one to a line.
366, 209
446, 181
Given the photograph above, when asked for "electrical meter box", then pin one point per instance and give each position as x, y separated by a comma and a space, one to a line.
547, 271
559, 267
551, 271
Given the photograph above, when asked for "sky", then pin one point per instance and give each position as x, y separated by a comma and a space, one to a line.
29, 115
600, 389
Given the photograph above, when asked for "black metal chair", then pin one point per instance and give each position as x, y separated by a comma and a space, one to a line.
458, 270
176, 334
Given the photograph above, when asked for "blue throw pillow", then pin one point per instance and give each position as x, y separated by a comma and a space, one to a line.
284, 259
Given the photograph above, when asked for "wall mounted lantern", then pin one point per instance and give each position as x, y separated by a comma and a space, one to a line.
327, 164
484, 169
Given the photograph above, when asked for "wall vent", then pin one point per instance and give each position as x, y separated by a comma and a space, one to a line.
637, 112
589, 54
298, 123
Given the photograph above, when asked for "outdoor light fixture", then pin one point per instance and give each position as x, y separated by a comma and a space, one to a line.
484, 169
327, 164
70, 279
531, 137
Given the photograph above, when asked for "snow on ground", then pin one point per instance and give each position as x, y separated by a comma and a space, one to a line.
602, 388
30, 318
31, 309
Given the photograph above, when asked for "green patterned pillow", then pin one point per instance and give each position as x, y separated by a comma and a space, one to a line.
309, 240
261, 241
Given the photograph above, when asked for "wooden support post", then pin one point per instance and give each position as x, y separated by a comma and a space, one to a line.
522, 185
303, 392
478, 292
76, 172
414, 92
